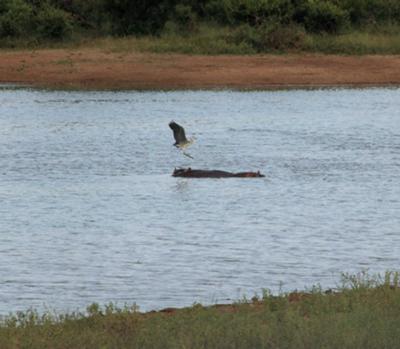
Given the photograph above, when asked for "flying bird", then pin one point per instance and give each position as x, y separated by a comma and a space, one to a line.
181, 142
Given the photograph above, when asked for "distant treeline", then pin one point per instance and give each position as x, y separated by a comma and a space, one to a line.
60, 19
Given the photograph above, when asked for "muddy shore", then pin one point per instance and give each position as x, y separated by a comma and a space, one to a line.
97, 69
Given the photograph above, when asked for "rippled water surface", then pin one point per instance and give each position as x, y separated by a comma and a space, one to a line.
89, 211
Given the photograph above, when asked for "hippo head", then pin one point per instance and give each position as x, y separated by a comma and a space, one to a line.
180, 171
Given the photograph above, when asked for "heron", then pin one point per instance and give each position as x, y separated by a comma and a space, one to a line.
181, 142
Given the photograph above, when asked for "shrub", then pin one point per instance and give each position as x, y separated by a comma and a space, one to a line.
282, 37
15, 18
88, 14
324, 16
367, 11
138, 16
270, 36
245, 34
53, 23
214, 10
252, 12
185, 18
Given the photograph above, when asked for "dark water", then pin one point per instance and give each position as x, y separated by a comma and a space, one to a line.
89, 211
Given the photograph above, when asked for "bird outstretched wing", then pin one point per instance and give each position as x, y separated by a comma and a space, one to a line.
179, 133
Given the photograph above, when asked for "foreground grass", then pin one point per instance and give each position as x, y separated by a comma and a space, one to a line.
363, 313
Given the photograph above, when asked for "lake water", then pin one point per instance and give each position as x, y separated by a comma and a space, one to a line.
89, 211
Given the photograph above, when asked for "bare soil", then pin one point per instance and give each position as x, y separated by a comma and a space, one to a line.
98, 69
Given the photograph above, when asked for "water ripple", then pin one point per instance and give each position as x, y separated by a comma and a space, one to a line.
89, 209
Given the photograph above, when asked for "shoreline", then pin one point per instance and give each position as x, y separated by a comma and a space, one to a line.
96, 69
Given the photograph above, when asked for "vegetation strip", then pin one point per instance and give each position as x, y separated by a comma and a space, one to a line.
363, 313
208, 26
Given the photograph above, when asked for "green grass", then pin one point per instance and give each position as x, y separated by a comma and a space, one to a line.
212, 39
356, 42
207, 40
363, 313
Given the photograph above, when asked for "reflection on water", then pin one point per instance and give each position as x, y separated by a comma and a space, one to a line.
89, 210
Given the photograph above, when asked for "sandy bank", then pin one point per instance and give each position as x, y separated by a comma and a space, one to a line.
96, 69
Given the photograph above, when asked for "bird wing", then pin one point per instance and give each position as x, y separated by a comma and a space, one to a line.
179, 132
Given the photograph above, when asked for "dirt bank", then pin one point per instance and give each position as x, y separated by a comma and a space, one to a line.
96, 69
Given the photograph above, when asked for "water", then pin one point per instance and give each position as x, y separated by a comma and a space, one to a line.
90, 213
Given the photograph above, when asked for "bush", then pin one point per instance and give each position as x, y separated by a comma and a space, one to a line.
324, 16
278, 37
138, 16
53, 23
270, 36
252, 12
245, 34
371, 11
185, 18
87, 14
15, 18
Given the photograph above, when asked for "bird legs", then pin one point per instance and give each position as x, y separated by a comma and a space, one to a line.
188, 155
183, 146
